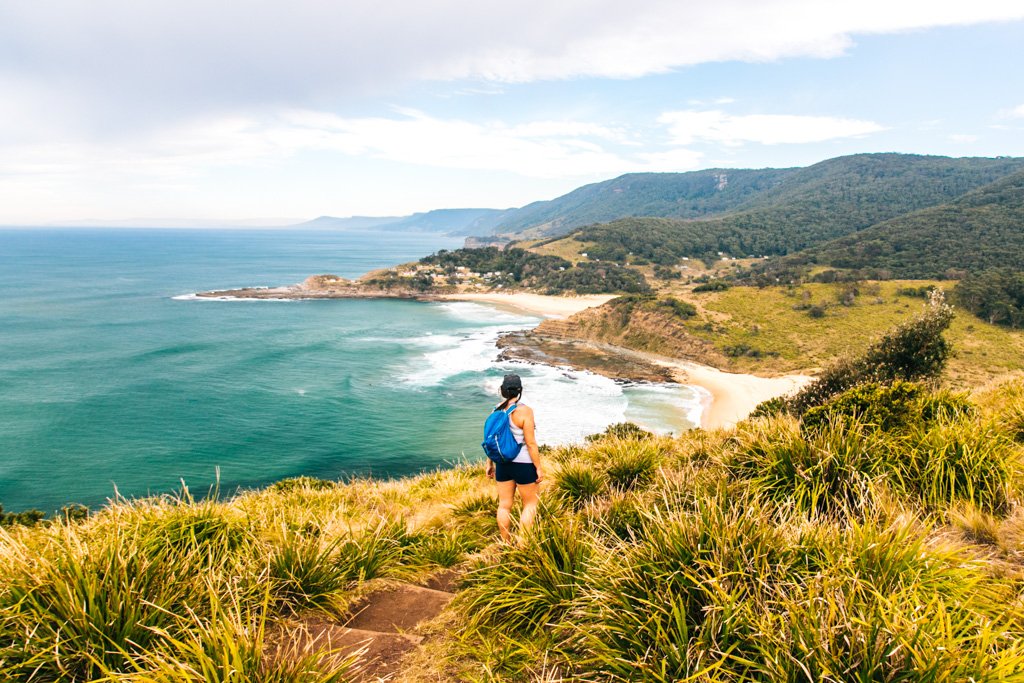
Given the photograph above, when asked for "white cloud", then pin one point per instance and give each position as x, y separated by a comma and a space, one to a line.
1011, 112
158, 59
963, 138
689, 126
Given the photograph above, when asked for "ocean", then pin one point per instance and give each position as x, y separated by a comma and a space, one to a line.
115, 381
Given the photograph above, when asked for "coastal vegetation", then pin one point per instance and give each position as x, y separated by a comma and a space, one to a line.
515, 267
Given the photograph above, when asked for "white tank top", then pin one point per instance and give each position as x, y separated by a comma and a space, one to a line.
517, 434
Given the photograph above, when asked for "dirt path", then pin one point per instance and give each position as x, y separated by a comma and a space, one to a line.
380, 628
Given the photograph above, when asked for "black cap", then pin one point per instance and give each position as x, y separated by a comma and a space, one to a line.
512, 382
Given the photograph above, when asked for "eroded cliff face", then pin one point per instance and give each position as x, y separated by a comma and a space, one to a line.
600, 339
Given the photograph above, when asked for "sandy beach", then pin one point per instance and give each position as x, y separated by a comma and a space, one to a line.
733, 396
541, 304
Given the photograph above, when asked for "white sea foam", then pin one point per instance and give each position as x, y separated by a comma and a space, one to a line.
427, 341
472, 352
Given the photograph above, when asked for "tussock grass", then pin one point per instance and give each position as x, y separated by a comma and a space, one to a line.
531, 585
963, 461
578, 483
631, 463
304, 573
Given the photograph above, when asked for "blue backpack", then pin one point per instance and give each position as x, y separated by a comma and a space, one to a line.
499, 443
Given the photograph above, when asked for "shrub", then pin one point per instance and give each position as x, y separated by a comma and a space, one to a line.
676, 308
891, 407
712, 286
23, 518
882, 406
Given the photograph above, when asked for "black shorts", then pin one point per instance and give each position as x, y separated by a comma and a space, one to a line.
523, 472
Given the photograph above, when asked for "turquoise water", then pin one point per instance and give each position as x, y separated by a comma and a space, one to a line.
111, 376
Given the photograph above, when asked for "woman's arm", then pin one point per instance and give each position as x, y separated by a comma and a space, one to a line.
530, 438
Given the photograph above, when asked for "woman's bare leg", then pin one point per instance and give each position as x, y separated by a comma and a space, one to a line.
528, 492
506, 495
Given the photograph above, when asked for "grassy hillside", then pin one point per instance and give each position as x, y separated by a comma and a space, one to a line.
814, 205
983, 229
784, 329
780, 551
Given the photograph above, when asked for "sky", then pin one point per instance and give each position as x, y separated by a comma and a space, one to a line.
217, 111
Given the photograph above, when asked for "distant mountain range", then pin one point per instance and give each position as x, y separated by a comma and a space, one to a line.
460, 222
913, 215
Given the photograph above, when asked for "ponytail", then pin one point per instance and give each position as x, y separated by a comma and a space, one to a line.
504, 404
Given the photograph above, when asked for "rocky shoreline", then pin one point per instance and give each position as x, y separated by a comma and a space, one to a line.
613, 362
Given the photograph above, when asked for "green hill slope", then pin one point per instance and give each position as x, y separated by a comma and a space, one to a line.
679, 195
811, 206
983, 229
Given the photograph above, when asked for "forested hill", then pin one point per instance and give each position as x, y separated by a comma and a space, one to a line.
810, 207
678, 195
980, 230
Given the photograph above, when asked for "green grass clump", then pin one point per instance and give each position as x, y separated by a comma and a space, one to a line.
531, 585
670, 607
233, 646
83, 608
377, 551
623, 518
963, 462
630, 463
304, 573
579, 483
829, 471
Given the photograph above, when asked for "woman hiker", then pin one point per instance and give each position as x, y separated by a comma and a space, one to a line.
524, 472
